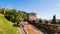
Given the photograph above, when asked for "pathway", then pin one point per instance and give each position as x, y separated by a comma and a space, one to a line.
30, 30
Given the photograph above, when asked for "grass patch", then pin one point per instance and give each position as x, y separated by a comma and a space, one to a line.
6, 27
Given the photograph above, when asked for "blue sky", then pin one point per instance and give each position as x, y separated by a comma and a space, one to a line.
45, 9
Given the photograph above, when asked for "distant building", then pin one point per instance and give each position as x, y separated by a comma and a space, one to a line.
32, 16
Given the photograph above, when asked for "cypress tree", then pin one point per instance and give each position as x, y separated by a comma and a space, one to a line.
54, 19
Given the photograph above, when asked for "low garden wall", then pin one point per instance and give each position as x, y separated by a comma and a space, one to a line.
52, 27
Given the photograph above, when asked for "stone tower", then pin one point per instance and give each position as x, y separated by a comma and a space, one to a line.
32, 16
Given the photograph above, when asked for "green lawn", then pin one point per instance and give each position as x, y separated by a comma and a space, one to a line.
6, 27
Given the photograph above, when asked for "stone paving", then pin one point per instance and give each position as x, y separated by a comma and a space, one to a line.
22, 31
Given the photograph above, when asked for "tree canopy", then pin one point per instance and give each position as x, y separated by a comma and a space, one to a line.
54, 19
13, 15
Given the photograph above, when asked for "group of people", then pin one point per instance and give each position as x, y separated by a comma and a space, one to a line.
20, 23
